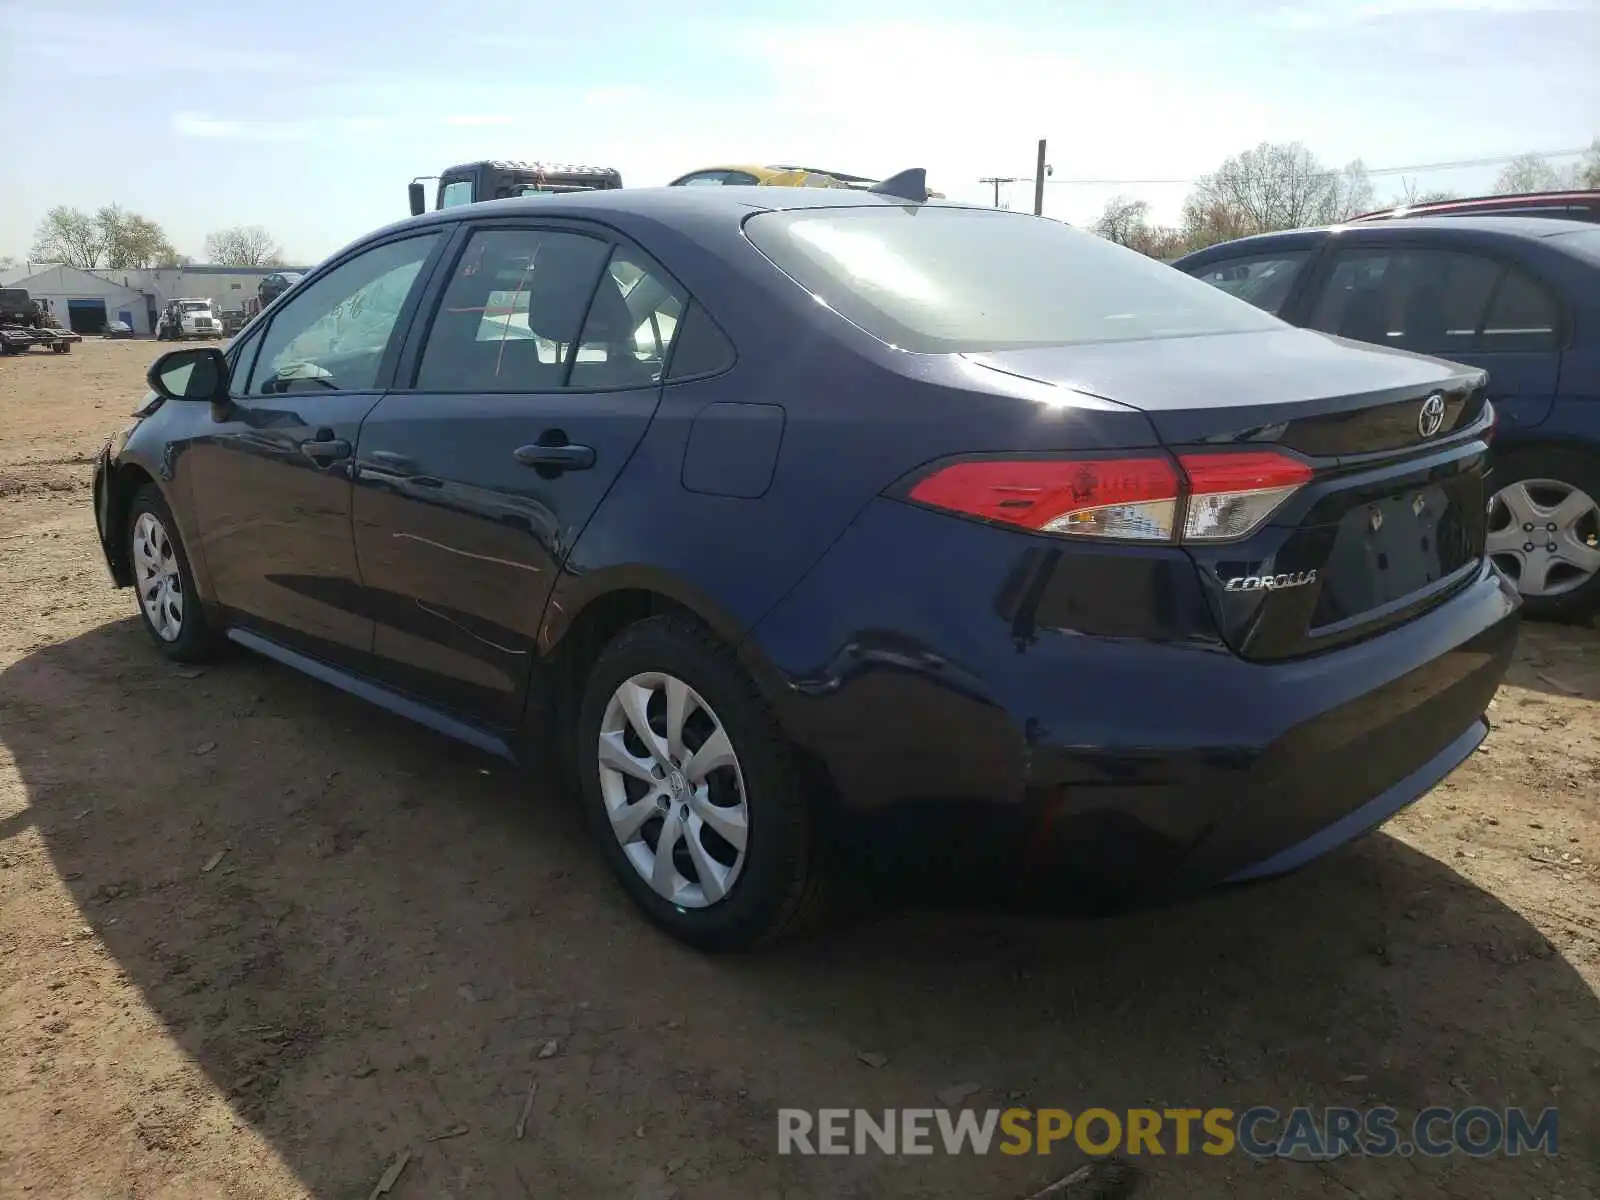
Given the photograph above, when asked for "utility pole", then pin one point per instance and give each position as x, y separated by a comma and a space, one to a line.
997, 180
1040, 170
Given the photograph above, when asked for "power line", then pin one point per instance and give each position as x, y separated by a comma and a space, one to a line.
1459, 164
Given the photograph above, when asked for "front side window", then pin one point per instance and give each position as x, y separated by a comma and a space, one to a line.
1263, 280
512, 311
456, 192
332, 335
952, 280
1427, 301
630, 327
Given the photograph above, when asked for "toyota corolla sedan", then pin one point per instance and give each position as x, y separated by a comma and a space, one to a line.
786, 522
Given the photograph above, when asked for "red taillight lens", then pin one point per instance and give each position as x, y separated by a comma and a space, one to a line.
1219, 496
1232, 494
1120, 497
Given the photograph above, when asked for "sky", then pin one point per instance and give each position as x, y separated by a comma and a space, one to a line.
309, 117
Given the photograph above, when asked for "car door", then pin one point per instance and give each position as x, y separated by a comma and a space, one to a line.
270, 478
1448, 298
523, 400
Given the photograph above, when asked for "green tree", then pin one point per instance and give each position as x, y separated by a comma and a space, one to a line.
1588, 171
131, 240
1527, 173
68, 235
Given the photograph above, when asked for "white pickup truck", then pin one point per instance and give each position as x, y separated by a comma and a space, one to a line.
188, 318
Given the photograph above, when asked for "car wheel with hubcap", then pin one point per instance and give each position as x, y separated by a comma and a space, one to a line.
168, 605
692, 790
1544, 531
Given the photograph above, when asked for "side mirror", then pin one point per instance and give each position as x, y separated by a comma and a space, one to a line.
419, 199
198, 373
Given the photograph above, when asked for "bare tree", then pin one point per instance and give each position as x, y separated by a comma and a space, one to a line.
7, 262
1274, 186
243, 246
1527, 173
130, 240
1411, 194
1350, 194
68, 235
1124, 221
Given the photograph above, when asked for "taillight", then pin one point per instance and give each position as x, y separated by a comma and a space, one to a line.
1209, 497
1232, 494
1105, 497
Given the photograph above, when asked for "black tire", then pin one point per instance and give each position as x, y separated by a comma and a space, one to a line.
783, 886
197, 639
1574, 469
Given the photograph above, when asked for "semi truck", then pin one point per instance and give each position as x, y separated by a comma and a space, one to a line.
497, 179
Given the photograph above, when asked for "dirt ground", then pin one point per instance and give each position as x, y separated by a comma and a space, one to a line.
259, 940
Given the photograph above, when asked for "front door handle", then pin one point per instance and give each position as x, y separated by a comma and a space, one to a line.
565, 457
325, 450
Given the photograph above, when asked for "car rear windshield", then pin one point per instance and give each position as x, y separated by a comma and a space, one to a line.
938, 279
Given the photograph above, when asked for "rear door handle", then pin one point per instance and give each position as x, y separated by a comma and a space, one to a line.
325, 450
566, 457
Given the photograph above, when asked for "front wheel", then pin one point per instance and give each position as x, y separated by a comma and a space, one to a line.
1544, 531
693, 792
168, 604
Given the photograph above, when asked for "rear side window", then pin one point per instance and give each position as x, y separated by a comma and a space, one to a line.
1428, 301
948, 280
1523, 316
701, 349
1262, 280
511, 314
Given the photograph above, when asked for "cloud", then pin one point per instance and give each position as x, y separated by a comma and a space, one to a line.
104, 45
480, 119
198, 125
1329, 14
613, 97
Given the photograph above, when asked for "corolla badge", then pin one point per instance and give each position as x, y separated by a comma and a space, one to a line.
1269, 583
1431, 417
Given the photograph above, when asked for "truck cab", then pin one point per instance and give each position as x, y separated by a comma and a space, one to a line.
188, 317
469, 183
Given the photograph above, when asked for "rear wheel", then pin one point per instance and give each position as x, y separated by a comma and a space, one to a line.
1544, 530
168, 604
693, 792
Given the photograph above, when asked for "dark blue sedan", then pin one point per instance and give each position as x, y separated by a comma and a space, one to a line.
1517, 296
796, 523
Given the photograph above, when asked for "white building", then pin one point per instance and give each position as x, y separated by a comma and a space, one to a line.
86, 300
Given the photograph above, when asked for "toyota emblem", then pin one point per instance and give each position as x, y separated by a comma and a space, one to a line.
1432, 415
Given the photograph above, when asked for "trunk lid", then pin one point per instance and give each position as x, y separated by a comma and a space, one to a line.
1393, 520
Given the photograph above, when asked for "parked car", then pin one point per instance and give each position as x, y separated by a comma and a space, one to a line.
1517, 296
795, 523
118, 329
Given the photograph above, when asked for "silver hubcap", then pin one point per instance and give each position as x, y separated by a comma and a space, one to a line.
1545, 535
156, 575
673, 790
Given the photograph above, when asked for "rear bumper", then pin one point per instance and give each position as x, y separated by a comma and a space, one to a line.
976, 708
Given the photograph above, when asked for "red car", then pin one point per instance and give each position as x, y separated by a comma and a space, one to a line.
1582, 205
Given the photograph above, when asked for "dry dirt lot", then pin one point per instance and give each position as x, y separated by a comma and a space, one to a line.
400, 937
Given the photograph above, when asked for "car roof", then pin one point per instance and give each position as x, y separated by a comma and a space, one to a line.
667, 204
1498, 225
